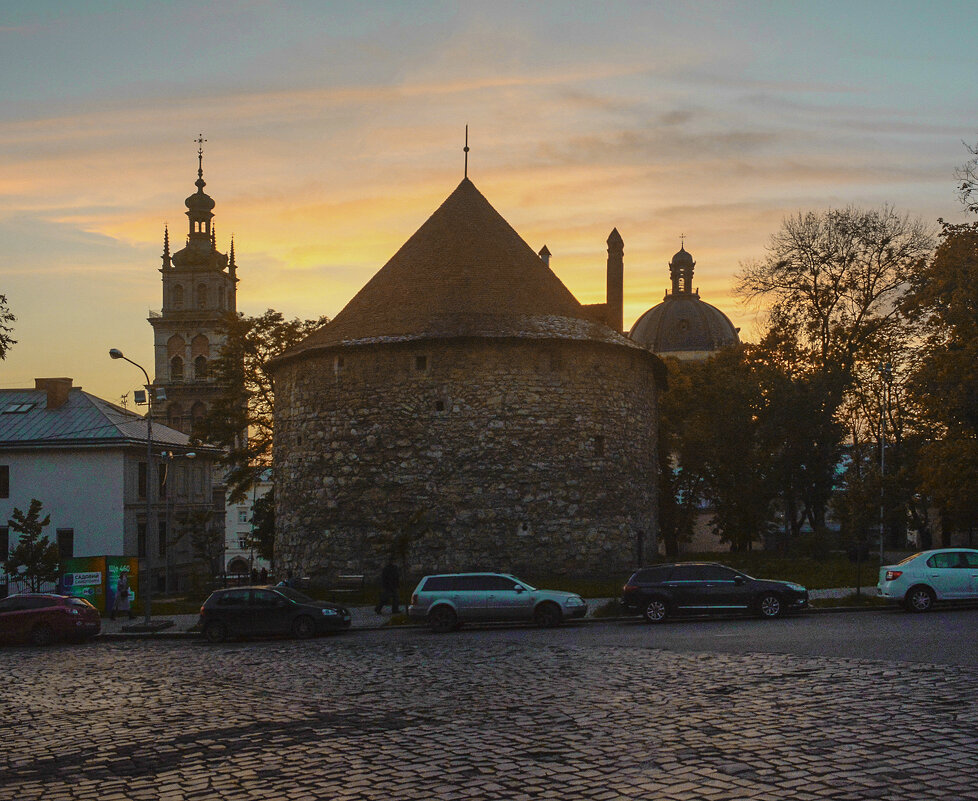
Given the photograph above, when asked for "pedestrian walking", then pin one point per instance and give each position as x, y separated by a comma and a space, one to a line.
390, 578
121, 601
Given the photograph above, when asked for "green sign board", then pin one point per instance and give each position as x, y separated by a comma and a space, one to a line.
95, 578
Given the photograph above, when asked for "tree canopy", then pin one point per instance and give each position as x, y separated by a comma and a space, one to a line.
34, 559
240, 420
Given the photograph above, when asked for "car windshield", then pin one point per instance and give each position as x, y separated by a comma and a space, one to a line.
294, 595
79, 602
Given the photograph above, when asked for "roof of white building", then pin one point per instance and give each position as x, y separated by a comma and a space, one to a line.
35, 418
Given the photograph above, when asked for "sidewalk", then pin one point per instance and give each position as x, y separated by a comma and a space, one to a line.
364, 617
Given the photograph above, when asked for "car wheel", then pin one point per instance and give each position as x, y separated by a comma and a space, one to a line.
656, 610
215, 632
303, 627
442, 619
547, 616
770, 606
919, 599
42, 634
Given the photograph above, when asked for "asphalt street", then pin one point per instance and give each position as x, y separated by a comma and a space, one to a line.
805, 708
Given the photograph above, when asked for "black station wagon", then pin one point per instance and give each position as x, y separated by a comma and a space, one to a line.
697, 588
267, 611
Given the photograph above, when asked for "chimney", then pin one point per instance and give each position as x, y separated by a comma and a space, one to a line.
616, 280
544, 255
57, 389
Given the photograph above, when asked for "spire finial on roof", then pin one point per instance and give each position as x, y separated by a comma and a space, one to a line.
682, 241
466, 151
166, 246
200, 154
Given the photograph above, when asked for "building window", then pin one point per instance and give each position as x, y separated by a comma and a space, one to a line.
177, 296
161, 473
141, 538
176, 369
200, 368
242, 515
141, 481
4, 486
243, 543
202, 296
161, 538
338, 364
66, 543
439, 405
4, 541
420, 363
599, 446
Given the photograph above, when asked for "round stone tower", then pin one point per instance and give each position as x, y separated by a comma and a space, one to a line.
464, 411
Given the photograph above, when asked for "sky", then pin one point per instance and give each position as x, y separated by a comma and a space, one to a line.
335, 129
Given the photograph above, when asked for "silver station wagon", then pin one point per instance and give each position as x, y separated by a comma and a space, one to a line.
450, 599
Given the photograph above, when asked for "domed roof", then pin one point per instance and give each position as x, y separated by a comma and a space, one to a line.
199, 201
682, 257
684, 324
465, 272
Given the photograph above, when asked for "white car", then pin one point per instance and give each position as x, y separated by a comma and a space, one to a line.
945, 574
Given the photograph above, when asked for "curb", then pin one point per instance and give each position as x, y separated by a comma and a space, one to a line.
195, 635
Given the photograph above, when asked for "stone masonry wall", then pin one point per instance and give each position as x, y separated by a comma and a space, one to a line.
517, 455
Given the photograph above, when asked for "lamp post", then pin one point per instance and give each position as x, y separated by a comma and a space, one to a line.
886, 377
115, 353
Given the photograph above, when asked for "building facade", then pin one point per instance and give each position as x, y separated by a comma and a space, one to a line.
465, 411
86, 461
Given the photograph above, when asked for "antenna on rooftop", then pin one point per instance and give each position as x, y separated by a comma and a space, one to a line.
466, 150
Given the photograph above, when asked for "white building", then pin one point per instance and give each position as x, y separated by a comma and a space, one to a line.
85, 459
239, 557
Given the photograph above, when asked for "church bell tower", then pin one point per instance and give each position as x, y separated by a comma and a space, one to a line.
199, 288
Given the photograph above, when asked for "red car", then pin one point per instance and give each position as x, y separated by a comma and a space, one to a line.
41, 618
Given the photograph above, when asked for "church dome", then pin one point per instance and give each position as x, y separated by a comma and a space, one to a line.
683, 325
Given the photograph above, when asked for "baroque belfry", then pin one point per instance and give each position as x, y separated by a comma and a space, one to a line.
199, 287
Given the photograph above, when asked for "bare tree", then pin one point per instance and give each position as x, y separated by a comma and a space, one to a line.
6, 317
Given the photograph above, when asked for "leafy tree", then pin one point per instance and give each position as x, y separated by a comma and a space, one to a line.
943, 299
263, 526
240, 420
6, 317
34, 553
968, 175
833, 282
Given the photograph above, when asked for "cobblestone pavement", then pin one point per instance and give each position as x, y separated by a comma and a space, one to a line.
369, 717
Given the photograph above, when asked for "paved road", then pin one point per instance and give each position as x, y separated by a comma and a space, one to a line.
593, 712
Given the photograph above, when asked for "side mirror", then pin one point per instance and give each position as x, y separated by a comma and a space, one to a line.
739, 580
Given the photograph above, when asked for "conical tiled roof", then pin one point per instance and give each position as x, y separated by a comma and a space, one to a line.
464, 272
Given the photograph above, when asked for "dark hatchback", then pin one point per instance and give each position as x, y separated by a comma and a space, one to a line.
267, 612
41, 618
699, 588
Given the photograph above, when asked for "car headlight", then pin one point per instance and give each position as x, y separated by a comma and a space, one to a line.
574, 600
330, 612
793, 586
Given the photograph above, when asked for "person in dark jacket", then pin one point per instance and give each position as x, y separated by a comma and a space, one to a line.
390, 578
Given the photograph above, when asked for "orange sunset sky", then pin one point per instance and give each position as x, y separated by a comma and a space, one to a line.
335, 129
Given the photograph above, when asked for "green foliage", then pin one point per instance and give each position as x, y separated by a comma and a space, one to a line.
34, 558
6, 317
240, 420
263, 526
943, 299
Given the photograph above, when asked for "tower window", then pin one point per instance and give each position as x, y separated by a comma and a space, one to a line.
202, 296
420, 363
200, 368
599, 446
178, 296
176, 369
439, 405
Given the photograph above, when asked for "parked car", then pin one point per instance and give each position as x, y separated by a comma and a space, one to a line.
695, 588
944, 574
42, 618
268, 611
447, 600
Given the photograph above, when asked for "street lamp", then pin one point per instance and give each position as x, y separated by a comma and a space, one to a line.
115, 353
886, 376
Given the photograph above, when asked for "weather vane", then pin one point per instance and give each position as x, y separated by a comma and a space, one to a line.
466, 150
200, 154
682, 241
